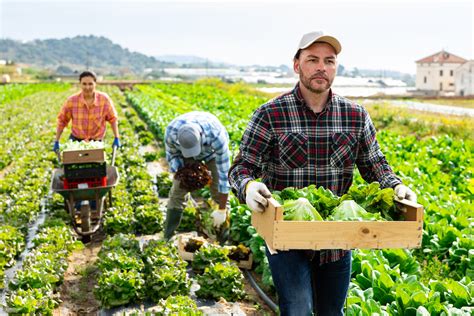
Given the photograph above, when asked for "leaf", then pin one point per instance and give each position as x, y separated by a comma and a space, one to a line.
421, 311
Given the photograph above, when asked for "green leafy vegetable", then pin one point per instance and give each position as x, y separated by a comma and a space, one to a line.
349, 210
222, 279
373, 199
300, 210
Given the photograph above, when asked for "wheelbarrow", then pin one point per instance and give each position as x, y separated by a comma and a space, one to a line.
85, 220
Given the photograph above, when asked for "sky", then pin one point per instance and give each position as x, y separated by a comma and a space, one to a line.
375, 34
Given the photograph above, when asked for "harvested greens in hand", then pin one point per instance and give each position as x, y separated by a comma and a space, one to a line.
193, 176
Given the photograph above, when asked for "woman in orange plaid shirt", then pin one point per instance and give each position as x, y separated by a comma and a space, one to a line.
88, 110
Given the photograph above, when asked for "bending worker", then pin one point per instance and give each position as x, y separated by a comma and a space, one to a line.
197, 136
310, 135
88, 110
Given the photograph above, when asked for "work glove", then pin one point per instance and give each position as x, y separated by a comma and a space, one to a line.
219, 217
56, 146
404, 192
256, 195
116, 142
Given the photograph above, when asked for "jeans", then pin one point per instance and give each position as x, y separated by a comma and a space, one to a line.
303, 286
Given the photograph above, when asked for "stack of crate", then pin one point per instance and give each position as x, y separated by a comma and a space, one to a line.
84, 168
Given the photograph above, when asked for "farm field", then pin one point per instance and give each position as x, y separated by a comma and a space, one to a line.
127, 263
467, 103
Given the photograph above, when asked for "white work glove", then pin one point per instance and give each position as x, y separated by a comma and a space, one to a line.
256, 195
404, 192
219, 217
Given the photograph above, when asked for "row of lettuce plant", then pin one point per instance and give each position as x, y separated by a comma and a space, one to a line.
12, 92
160, 103
34, 287
443, 180
227, 102
23, 118
156, 108
136, 208
131, 274
26, 182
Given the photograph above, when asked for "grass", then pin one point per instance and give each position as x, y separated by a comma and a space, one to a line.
464, 103
422, 124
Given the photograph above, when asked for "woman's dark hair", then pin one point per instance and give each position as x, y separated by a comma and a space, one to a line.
87, 73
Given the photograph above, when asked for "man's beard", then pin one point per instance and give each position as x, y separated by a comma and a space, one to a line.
307, 82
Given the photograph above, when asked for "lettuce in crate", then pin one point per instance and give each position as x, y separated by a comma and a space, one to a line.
71, 145
300, 210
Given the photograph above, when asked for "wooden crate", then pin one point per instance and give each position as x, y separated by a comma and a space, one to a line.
83, 156
189, 256
243, 264
183, 240
285, 235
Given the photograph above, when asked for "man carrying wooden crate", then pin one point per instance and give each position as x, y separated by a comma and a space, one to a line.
310, 135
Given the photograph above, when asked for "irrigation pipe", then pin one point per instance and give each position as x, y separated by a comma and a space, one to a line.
262, 294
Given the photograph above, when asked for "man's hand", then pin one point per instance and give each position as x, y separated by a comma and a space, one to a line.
56, 146
219, 217
256, 195
404, 192
116, 142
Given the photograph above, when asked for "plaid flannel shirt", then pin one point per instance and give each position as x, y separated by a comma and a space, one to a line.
214, 143
88, 122
286, 144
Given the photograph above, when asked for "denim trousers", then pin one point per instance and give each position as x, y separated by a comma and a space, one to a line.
305, 287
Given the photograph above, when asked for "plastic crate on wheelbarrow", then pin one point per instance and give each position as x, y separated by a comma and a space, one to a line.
86, 221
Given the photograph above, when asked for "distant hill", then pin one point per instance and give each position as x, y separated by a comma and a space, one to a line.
182, 59
190, 61
78, 53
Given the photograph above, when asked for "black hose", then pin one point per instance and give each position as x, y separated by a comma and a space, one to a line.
261, 293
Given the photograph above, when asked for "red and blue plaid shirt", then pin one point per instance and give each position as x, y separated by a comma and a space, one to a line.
286, 144
88, 121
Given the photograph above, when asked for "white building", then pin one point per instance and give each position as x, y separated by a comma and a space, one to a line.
464, 79
435, 73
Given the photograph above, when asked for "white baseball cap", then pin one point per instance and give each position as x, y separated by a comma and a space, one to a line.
319, 36
189, 138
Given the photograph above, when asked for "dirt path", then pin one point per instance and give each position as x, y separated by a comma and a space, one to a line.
77, 291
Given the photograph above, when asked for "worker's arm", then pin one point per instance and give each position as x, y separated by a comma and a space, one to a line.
59, 132
111, 115
115, 130
64, 117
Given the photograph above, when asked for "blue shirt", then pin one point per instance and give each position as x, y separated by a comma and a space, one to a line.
214, 144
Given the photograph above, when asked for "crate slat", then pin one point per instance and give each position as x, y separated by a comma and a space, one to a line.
83, 156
